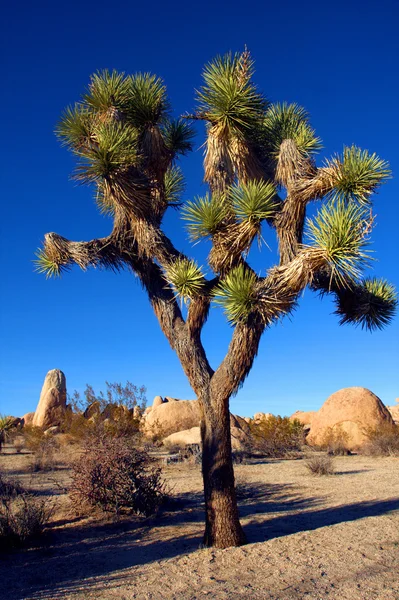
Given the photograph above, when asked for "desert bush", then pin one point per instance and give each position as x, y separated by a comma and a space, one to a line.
171, 448
113, 475
19, 443
277, 436
6, 426
320, 465
44, 446
335, 441
128, 395
382, 441
23, 515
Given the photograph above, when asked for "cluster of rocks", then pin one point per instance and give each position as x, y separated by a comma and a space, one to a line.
177, 422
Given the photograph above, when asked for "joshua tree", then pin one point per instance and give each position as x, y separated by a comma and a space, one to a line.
260, 167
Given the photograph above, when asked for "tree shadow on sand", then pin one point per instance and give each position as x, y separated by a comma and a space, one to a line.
84, 554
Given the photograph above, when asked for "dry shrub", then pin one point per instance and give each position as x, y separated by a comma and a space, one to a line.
44, 446
335, 441
382, 441
277, 436
113, 475
79, 428
320, 465
23, 515
19, 443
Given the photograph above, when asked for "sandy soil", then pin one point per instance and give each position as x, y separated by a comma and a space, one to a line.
333, 537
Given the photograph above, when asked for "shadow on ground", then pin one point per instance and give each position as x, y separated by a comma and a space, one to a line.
82, 553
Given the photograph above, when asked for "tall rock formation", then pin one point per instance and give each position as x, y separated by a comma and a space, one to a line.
52, 404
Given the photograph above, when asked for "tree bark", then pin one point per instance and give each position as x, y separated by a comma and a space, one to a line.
222, 524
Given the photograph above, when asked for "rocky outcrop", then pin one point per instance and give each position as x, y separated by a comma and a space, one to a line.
259, 417
350, 410
304, 417
28, 419
52, 404
93, 410
157, 401
240, 435
183, 438
394, 410
170, 417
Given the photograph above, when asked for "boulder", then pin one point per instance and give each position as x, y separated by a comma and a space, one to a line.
157, 401
239, 438
93, 410
52, 404
28, 419
183, 438
171, 417
394, 410
52, 430
351, 410
304, 417
137, 412
262, 416
170, 399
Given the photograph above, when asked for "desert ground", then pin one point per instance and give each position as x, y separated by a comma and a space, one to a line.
334, 537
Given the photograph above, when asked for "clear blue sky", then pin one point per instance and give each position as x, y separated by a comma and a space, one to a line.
338, 59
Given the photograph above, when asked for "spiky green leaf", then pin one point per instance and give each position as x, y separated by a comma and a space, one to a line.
254, 201
185, 277
75, 127
371, 304
174, 186
236, 294
178, 136
204, 215
228, 97
341, 231
107, 90
45, 265
357, 174
147, 100
115, 149
289, 122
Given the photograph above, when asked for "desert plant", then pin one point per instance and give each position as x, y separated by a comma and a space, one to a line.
6, 426
277, 436
382, 440
321, 464
43, 445
114, 476
335, 441
19, 443
127, 143
23, 514
128, 396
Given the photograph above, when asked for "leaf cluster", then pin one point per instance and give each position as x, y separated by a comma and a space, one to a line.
236, 294
289, 122
357, 174
341, 231
185, 277
371, 304
229, 99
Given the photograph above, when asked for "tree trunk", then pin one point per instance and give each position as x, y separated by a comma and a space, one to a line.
222, 525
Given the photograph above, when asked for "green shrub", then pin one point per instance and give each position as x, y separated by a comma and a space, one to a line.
382, 441
277, 436
335, 441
